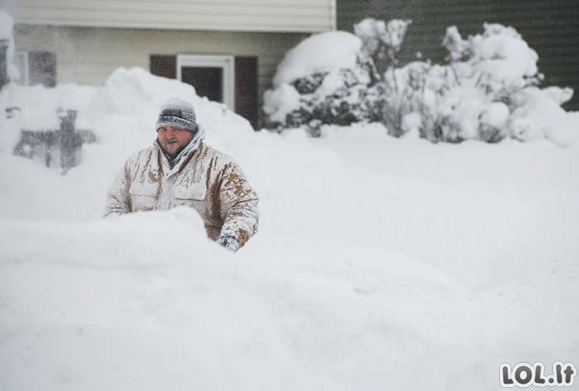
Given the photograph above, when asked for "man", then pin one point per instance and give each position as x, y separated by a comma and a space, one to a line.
180, 169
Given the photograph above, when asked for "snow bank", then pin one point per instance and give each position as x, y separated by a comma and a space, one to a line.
111, 305
374, 255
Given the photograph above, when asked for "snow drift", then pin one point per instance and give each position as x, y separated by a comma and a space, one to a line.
380, 263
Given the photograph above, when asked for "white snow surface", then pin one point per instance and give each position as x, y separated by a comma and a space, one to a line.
381, 263
321, 52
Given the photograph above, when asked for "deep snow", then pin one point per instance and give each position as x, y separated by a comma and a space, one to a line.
380, 263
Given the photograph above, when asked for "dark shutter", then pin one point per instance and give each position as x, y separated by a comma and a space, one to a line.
3, 63
246, 102
42, 68
164, 65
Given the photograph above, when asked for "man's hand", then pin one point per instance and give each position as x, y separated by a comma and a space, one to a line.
229, 242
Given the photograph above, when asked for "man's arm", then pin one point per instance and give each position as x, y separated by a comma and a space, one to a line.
118, 198
239, 207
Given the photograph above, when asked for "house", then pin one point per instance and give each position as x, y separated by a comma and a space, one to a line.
228, 49
550, 27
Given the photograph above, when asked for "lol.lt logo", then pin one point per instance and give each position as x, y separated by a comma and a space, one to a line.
524, 375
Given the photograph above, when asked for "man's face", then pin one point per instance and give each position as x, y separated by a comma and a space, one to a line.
173, 140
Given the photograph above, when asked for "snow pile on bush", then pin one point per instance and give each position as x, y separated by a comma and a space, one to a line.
487, 91
326, 79
381, 40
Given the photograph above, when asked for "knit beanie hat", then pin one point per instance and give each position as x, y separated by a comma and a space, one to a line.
178, 114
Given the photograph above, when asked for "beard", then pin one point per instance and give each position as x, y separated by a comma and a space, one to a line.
171, 148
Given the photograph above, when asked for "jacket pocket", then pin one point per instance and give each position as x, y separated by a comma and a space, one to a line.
143, 197
193, 192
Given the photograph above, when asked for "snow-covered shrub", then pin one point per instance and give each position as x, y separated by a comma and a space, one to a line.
380, 39
326, 79
537, 114
487, 90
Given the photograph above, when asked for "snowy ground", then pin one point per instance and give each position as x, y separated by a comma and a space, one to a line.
381, 264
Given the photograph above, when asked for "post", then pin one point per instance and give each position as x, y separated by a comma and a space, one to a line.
68, 140
3, 63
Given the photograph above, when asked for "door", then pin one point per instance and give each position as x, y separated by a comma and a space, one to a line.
212, 76
242, 96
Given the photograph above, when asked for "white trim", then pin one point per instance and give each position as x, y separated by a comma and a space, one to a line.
225, 62
334, 14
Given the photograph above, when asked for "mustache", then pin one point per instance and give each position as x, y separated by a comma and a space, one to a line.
167, 140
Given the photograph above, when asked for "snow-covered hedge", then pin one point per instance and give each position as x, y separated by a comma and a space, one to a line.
487, 90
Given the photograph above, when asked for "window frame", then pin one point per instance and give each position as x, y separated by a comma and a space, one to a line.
22, 62
227, 63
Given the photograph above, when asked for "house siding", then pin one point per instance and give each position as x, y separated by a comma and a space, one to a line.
550, 27
89, 55
221, 15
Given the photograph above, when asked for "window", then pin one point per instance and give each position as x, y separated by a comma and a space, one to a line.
212, 76
36, 68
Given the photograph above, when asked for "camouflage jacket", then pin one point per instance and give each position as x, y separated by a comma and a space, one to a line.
204, 179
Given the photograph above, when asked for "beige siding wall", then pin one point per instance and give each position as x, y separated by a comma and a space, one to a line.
90, 55
229, 15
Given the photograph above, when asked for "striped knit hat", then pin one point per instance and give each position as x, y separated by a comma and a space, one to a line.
178, 114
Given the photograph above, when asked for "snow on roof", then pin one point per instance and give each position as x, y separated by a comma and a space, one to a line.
320, 52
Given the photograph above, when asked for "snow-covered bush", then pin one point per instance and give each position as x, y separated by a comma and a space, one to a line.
326, 79
487, 90
471, 97
381, 40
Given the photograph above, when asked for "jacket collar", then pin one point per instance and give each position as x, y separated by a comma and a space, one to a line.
192, 146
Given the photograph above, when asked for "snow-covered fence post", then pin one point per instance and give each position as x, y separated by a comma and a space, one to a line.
4, 63
65, 142
69, 140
